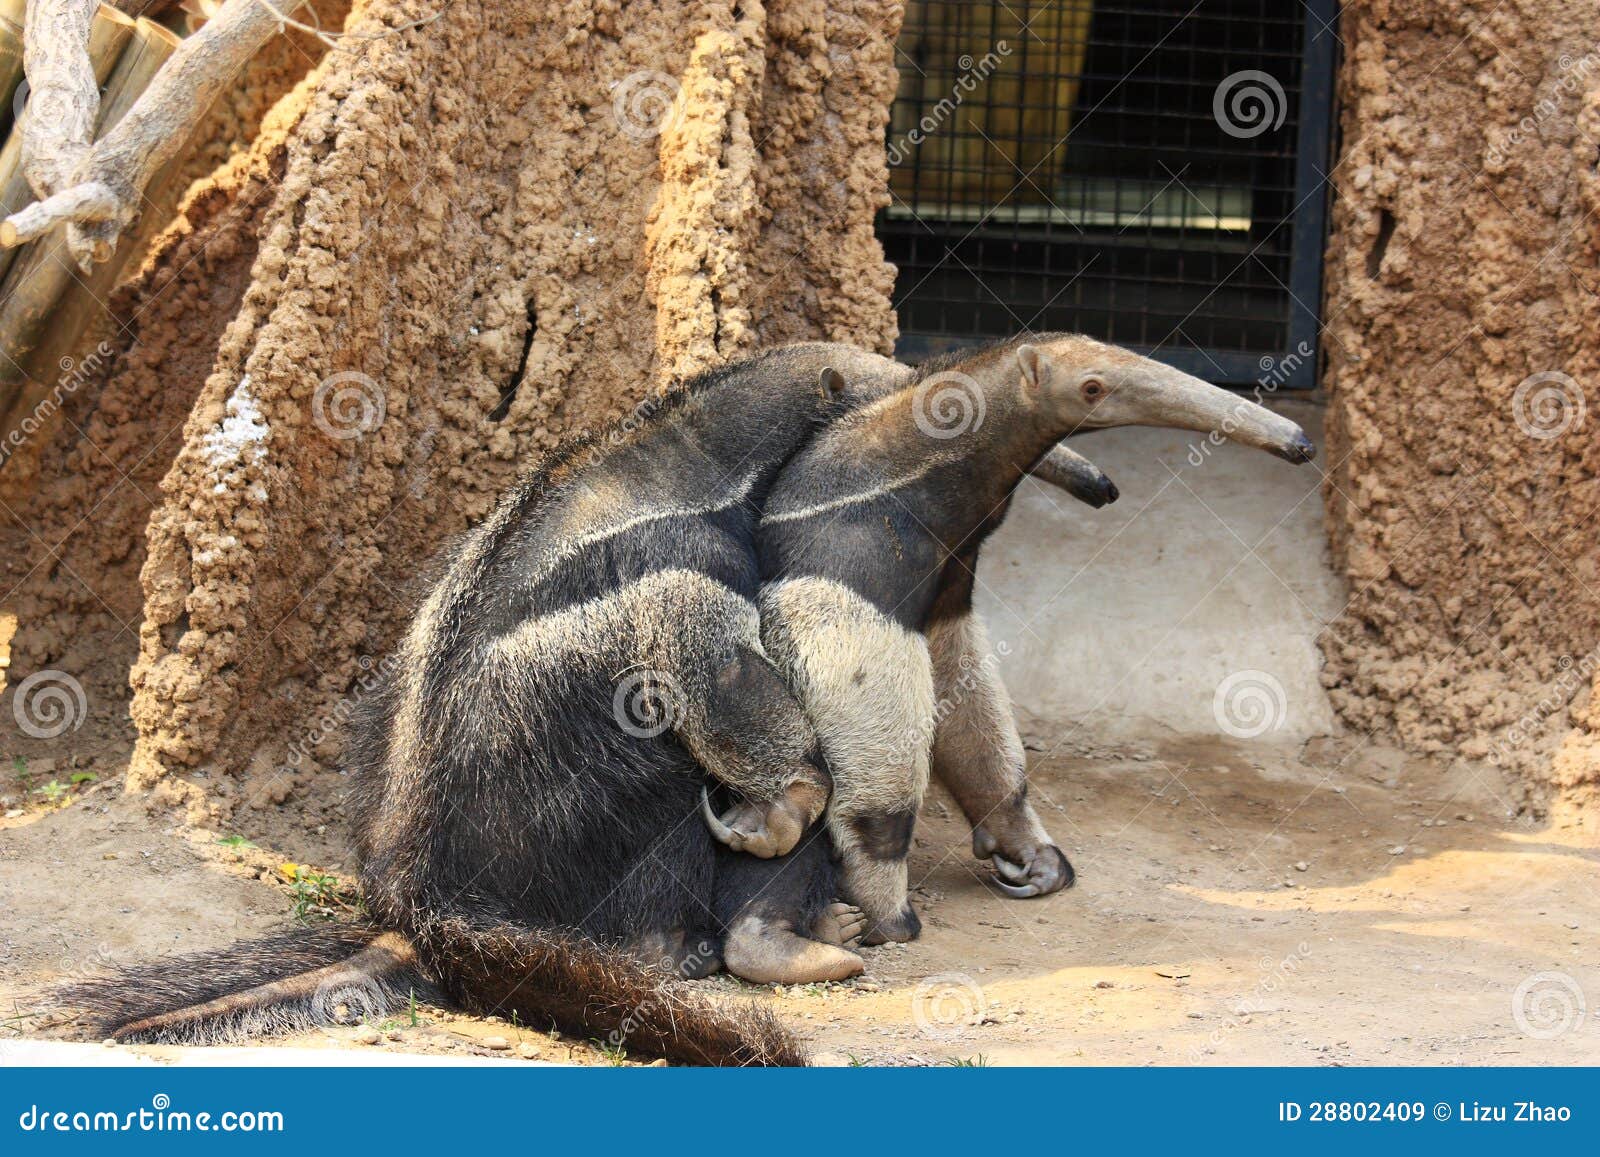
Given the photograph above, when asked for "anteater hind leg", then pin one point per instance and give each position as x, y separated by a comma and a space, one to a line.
978, 756
751, 734
688, 956
783, 926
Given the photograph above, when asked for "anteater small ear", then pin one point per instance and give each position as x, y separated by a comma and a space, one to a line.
831, 383
1031, 361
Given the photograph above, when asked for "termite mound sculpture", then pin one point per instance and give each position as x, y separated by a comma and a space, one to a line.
467, 233
1463, 365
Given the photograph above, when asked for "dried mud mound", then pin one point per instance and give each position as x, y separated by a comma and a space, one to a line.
1463, 322
482, 234
77, 495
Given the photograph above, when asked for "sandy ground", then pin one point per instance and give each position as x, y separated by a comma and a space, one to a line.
1235, 905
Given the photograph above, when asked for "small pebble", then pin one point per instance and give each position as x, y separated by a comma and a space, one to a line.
527, 1051
658, 1063
498, 1043
1301, 866
367, 1035
109, 1043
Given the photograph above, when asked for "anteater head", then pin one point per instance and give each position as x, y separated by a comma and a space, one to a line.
1087, 385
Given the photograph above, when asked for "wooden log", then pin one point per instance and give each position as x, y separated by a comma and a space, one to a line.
108, 36
37, 281
124, 160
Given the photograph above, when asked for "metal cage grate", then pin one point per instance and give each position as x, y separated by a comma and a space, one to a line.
1146, 171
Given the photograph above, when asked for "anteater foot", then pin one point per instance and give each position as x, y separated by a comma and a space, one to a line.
840, 924
1047, 870
767, 828
769, 953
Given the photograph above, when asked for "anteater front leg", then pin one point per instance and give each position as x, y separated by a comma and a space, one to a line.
867, 683
978, 756
749, 732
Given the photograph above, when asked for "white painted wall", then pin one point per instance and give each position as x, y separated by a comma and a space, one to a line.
1123, 622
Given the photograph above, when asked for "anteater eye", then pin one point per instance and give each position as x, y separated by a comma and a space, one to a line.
1093, 389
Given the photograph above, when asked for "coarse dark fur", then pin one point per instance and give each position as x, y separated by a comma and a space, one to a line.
529, 848
531, 831
876, 633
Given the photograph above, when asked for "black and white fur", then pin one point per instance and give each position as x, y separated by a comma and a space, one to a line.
868, 548
528, 780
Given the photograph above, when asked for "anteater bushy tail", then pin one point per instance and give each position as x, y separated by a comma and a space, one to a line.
290, 982
584, 988
347, 973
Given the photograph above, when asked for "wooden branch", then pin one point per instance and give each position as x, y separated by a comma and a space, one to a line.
121, 163
63, 98
108, 36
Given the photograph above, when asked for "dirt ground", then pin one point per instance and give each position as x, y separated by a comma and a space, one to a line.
1235, 905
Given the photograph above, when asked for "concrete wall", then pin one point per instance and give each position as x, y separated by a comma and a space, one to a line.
1209, 572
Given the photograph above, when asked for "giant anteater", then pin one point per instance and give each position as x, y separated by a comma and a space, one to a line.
527, 779
876, 634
